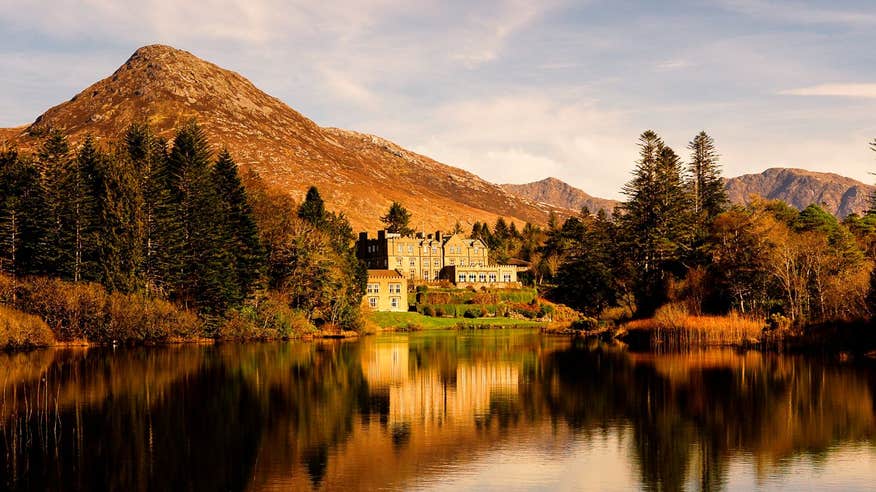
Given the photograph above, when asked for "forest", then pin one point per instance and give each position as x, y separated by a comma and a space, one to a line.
677, 243
139, 241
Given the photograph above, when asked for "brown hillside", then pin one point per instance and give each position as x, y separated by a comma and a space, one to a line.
356, 173
839, 195
557, 193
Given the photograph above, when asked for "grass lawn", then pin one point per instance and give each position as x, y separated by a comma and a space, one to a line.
403, 320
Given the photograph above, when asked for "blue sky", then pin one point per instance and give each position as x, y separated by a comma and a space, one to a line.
512, 90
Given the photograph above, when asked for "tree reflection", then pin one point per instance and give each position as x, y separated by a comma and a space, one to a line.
321, 415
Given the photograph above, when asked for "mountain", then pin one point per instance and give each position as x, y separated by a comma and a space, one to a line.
799, 188
356, 173
839, 195
554, 192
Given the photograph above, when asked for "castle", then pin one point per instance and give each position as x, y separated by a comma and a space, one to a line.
425, 258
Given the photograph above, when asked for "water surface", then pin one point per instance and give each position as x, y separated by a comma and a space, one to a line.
445, 410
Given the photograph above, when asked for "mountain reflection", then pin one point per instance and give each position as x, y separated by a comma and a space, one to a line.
400, 411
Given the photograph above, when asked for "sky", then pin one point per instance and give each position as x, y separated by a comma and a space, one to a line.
513, 91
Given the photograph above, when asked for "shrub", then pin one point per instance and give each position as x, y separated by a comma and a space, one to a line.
584, 324
439, 312
429, 311
21, 330
268, 317
473, 313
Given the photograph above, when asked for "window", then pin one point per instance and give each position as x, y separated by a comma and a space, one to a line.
425, 261
476, 250
452, 262
413, 273
394, 302
410, 249
426, 249
398, 260
506, 277
373, 288
437, 263
437, 275
395, 288
482, 277
426, 275
372, 301
472, 277
464, 262
434, 250
462, 277
401, 249
413, 262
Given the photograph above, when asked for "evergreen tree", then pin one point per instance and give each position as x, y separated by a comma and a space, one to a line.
196, 266
708, 195
241, 236
397, 220
457, 228
586, 280
77, 234
23, 223
313, 208
656, 222
118, 203
54, 162
147, 156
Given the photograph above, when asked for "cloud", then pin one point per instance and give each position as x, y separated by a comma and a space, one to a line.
858, 90
674, 64
800, 13
347, 89
528, 136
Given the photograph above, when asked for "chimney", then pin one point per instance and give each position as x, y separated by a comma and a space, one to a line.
381, 235
438, 235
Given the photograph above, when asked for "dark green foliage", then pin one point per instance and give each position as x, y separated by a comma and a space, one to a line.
313, 208
23, 223
587, 280
707, 186
239, 234
656, 221
397, 219
201, 270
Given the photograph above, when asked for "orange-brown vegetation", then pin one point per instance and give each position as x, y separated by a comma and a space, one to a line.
20, 330
87, 312
672, 326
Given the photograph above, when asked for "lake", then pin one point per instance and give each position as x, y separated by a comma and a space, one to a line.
440, 410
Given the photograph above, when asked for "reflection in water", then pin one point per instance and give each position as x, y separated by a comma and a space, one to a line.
488, 409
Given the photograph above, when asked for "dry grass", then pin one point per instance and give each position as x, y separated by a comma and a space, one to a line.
673, 327
21, 330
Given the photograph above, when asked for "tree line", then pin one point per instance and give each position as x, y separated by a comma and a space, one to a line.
174, 221
676, 239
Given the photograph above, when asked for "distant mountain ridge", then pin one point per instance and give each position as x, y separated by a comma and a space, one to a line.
553, 191
799, 188
358, 174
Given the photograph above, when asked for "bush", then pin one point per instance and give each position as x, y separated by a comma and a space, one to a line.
268, 317
21, 330
84, 311
429, 311
584, 324
473, 313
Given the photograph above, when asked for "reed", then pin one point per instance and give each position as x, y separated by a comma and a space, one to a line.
672, 327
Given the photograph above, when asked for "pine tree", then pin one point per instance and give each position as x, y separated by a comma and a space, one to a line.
23, 224
118, 203
656, 221
194, 264
313, 208
53, 160
241, 236
397, 219
708, 194
77, 234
